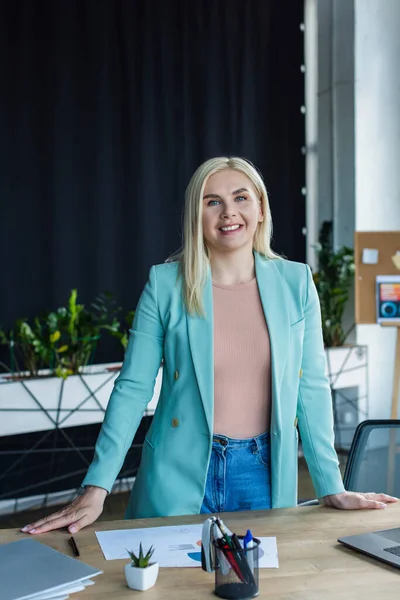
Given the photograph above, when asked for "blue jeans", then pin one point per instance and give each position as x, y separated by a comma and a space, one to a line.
239, 475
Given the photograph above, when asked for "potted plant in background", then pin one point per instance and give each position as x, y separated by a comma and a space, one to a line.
51, 380
140, 573
61, 342
333, 281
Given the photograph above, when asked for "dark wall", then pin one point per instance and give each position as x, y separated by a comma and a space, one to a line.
106, 109
44, 462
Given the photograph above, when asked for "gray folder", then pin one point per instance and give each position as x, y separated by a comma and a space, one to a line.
28, 568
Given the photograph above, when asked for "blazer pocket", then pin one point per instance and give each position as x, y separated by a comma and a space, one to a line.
152, 436
298, 325
149, 444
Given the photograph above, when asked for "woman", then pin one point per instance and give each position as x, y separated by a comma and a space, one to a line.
240, 334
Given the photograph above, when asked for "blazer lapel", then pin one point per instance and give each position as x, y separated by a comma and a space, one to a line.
272, 295
201, 341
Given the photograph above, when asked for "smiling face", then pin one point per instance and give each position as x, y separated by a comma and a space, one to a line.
231, 212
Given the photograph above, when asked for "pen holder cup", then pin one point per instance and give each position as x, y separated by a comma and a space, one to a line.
236, 571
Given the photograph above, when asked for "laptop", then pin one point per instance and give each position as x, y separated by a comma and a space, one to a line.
383, 545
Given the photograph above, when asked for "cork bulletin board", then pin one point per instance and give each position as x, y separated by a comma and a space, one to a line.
372, 245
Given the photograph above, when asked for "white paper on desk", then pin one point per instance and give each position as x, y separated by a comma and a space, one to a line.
268, 553
175, 546
370, 256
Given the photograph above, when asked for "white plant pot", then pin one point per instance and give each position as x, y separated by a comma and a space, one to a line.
141, 579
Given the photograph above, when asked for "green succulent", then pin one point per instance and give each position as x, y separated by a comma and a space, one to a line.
143, 560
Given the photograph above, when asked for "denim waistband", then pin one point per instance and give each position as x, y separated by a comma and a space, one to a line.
223, 440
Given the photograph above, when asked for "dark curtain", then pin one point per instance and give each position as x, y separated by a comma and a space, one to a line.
108, 106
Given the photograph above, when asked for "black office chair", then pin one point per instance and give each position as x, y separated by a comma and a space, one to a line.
373, 464
374, 459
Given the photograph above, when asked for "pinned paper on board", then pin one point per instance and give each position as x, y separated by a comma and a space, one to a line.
370, 256
396, 259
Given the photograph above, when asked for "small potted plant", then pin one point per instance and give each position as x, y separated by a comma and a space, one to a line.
140, 573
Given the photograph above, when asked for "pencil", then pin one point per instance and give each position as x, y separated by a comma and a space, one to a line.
74, 546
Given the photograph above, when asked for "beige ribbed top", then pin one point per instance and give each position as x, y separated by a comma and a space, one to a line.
242, 361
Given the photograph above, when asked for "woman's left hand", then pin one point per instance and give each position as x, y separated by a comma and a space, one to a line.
357, 500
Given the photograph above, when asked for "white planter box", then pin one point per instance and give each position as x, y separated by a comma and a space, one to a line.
46, 403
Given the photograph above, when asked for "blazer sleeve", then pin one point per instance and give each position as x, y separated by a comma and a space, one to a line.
133, 390
315, 411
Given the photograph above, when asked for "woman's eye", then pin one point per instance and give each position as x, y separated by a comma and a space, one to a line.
213, 203
240, 198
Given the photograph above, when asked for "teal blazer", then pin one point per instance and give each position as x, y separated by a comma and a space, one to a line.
176, 453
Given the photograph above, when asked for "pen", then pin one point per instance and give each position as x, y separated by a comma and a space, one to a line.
224, 532
248, 543
233, 560
74, 546
235, 542
245, 567
242, 567
225, 543
247, 538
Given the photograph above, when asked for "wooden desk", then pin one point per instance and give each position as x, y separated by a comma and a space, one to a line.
313, 566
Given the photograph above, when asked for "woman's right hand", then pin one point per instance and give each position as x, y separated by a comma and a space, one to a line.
82, 511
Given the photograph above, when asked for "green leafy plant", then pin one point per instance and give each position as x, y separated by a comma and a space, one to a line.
79, 330
28, 346
62, 341
333, 281
142, 560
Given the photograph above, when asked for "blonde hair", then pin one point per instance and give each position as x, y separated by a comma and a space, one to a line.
193, 257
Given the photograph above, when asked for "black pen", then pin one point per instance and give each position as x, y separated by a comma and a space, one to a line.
245, 567
74, 546
235, 541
